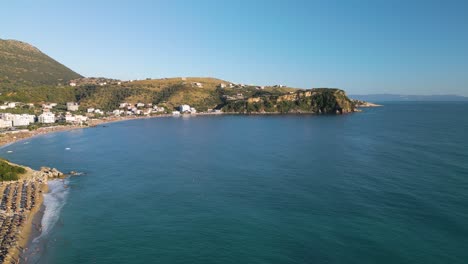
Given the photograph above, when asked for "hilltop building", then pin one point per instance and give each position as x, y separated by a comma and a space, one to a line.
72, 106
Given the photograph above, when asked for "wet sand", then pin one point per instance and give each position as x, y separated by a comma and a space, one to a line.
31, 251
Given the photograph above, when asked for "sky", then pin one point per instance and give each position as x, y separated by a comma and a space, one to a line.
361, 46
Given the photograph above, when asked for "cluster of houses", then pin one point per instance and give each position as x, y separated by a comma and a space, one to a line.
8, 105
241, 85
49, 116
8, 120
94, 81
137, 109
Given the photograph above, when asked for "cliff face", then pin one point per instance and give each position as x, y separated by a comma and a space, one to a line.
318, 101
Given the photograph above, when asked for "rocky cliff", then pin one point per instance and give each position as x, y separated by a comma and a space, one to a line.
317, 101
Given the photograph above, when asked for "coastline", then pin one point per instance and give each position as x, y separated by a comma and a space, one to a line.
27, 233
8, 138
21, 204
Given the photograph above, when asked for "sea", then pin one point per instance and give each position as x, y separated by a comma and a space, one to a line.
388, 185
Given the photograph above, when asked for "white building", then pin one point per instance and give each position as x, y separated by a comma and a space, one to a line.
117, 112
90, 110
197, 84
72, 84
11, 105
98, 111
18, 120
222, 85
69, 118
72, 106
47, 118
49, 106
123, 105
140, 105
158, 109
23, 120
3, 107
5, 123
80, 119
193, 110
175, 113
148, 111
184, 108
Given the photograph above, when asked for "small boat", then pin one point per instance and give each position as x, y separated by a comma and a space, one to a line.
67, 148
10, 151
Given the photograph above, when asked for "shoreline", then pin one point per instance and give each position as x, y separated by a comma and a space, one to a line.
27, 233
21, 204
33, 220
11, 137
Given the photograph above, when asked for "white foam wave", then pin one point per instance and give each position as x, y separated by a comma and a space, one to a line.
54, 200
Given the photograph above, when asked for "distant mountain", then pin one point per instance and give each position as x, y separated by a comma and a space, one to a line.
24, 64
399, 97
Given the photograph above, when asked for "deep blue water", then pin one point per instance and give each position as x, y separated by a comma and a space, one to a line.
389, 185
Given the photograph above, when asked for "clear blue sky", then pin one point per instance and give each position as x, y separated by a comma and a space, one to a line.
374, 46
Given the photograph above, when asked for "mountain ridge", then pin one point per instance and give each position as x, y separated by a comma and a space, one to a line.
24, 64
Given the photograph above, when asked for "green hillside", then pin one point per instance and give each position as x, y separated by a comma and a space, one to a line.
28, 75
23, 64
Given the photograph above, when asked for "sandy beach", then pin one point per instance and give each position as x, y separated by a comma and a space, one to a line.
21, 200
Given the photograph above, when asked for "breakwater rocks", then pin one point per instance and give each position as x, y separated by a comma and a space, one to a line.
51, 173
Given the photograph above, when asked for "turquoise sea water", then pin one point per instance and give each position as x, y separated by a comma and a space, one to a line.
389, 185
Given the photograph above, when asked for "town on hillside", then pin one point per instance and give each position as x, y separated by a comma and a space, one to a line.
16, 115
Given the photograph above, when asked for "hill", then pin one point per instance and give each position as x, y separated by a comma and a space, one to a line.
317, 101
27, 75
23, 64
